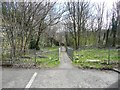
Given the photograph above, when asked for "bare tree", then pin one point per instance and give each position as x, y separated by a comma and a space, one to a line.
77, 18
118, 22
115, 23
99, 16
22, 21
107, 29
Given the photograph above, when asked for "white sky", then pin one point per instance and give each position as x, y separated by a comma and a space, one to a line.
109, 3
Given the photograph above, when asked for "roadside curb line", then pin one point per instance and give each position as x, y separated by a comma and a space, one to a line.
112, 69
116, 70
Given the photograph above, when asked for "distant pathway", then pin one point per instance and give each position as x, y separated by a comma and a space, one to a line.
65, 62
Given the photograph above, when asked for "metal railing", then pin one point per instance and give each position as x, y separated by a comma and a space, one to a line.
70, 52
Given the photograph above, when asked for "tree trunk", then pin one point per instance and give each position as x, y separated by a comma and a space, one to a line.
114, 38
106, 41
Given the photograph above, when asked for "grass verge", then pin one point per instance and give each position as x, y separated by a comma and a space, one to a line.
48, 58
96, 58
51, 60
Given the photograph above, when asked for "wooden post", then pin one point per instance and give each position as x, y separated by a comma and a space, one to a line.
108, 56
2, 49
59, 53
35, 56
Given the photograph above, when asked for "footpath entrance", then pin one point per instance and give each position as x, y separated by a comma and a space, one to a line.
65, 62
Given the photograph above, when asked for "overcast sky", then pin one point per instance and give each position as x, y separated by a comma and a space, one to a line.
108, 2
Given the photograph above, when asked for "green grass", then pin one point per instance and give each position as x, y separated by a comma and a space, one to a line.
51, 48
52, 60
81, 57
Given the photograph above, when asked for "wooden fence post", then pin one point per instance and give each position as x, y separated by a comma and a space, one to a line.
59, 53
35, 56
108, 56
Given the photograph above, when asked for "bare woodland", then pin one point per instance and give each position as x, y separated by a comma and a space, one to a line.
30, 25
85, 24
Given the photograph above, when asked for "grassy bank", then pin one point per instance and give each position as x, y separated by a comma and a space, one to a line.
51, 60
96, 58
45, 58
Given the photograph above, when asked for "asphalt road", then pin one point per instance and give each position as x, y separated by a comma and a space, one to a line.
64, 76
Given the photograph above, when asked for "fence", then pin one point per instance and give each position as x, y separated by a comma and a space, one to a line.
70, 52
96, 55
93, 55
30, 58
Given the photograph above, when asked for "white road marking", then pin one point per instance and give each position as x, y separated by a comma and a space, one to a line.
31, 80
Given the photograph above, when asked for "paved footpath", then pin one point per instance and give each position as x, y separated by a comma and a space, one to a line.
64, 76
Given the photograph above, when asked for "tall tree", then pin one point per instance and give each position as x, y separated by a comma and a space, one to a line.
23, 20
77, 18
99, 16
